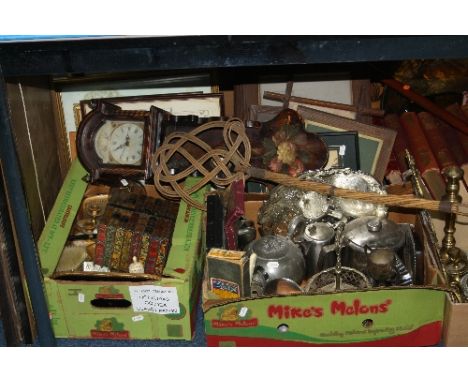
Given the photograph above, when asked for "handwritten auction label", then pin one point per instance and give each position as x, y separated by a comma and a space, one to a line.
154, 299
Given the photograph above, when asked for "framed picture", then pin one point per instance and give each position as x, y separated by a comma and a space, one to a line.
199, 104
263, 113
343, 149
70, 92
375, 142
335, 157
338, 90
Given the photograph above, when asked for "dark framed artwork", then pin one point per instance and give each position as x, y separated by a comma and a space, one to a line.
375, 142
343, 149
335, 158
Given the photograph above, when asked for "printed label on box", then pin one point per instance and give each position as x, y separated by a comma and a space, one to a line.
224, 288
154, 299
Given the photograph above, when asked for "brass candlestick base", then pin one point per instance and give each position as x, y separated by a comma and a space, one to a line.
457, 265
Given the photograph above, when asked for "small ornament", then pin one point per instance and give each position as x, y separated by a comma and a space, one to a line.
136, 266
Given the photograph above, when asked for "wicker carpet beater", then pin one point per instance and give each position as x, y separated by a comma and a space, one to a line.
223, 165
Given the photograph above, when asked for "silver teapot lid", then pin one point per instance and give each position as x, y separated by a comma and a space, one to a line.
318, 232
374, 232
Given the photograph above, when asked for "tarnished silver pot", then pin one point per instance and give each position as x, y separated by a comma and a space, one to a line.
370, 232
274, 257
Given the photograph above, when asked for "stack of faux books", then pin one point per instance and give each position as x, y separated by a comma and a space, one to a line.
434, 144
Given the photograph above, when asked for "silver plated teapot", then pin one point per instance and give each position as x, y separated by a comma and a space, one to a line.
274, 257
368, 233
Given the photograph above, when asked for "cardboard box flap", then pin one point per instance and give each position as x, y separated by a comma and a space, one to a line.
187, 238
349, 317
59, 223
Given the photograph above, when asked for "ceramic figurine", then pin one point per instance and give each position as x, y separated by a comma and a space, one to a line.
136, 266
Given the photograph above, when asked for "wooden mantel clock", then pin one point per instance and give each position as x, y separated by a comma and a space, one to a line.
115, 144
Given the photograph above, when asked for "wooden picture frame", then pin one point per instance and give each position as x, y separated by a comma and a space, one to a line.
203, 105
262, 113
325, 90
375, 142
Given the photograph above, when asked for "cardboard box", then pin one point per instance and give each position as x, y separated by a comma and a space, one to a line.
455, 324
117, 309
397, 316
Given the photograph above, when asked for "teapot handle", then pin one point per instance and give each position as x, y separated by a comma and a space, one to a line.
258, 283
296, 225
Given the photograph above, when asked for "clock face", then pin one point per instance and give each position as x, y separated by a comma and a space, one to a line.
120, 142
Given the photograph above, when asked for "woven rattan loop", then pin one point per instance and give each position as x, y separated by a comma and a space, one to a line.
221, 160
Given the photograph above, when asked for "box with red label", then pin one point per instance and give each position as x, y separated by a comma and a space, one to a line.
120, 306
379, 316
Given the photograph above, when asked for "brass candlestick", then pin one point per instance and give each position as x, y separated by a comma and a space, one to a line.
453, 258
453, 174
93, 207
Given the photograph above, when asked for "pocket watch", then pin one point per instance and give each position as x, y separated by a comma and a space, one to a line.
114, 144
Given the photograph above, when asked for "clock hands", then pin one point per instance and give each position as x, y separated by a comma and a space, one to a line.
126, 143
120, 146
